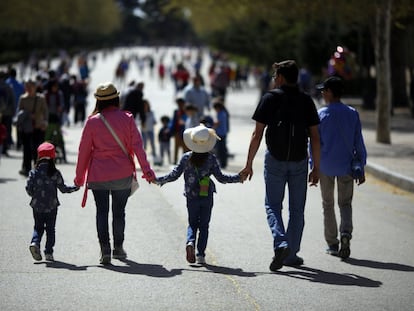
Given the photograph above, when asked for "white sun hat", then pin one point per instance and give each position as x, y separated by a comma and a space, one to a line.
200, 139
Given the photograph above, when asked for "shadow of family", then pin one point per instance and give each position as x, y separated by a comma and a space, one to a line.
301, 272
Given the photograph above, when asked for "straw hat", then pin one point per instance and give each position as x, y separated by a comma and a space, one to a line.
200, 139
106, 91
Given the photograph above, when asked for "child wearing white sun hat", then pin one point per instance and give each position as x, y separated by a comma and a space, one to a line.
198, 165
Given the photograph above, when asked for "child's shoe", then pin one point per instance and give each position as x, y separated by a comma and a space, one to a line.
201, 260
35, 251
49, 257
119, 253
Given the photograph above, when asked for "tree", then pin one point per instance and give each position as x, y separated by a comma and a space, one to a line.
382, 56
346, 16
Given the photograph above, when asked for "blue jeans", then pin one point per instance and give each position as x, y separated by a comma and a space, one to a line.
199, 215
119, 200
277, 174
149, 136
45, 222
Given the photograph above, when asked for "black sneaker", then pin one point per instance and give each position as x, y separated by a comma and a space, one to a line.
119, 253
345, 250
105, 259
105, 255
280, 255
295, 262
333, 249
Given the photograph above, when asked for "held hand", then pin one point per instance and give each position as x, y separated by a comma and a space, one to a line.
314, 177
245, 173
149, 176
360, 180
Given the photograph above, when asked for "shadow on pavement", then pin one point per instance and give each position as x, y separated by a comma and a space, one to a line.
64, 265
379, 265
319, 276
228, 271
133, 267
5, 180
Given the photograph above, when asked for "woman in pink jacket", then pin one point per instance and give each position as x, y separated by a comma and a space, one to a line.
106, 169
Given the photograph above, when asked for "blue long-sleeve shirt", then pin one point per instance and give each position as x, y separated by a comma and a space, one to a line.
192, 175
341, 137
43, 188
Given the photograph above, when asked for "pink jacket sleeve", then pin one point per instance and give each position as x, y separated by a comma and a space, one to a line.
139, 151
84, 156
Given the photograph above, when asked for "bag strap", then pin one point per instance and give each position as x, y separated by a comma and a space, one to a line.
117, 139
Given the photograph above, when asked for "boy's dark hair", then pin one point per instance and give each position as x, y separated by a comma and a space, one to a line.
51, 168
287, 69
198, 159
165, 119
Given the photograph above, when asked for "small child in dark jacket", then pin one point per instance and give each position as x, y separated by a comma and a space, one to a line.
164, 138
197, 166
42, 185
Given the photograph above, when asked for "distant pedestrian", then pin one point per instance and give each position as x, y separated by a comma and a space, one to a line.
196, 95
341, 142
164, 140
34, 113
134, 101
80, 96
3, 136
161, 73
18, 89
42, 185
7, 109
177, 127
147, 129
221, 125
192, 116
197, 166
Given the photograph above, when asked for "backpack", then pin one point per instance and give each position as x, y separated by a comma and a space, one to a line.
287, 134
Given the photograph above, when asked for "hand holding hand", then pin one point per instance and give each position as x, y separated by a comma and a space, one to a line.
149, 176
245, 173
360, 180
314, 177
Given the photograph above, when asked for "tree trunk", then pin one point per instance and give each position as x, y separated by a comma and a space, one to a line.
383, 68
399, 61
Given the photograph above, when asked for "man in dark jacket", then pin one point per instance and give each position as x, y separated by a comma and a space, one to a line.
134, 102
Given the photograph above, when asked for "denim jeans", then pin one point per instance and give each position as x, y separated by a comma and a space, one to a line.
345, 194
199, 215
149, 136
45, 221
119, 200
277, 175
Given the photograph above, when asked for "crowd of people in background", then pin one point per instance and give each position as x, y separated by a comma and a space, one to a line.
200, 96
38, 107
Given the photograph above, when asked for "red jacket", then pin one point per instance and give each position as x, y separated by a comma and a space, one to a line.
101, 158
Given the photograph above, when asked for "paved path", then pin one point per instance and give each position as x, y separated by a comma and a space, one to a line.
378, 276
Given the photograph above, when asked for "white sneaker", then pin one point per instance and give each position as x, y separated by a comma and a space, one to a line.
201, 259
35, 251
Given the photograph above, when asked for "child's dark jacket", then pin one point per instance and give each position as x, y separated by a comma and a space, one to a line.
43, 188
